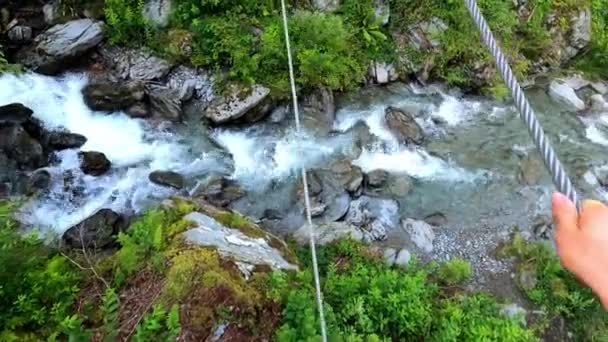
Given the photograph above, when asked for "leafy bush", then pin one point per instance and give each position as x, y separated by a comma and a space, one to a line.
159, 325
454, 271
557, 291
367, 300
125, 21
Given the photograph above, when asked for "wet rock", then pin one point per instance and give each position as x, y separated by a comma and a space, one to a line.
65, 140
279, 114
20, 34
598, 103
376, 178
326, 5
376, 231
530, 171
112, 96
318, 110
157, 12
134, 64
375, 216
164, 102
138, 110
94, 163
234, 243
236, 105
19, 146
219, 191
337, 205
403, 126
192, 84
389, 255
168, 179
39, 180
97, 231
326, 233
403, 257
421, 234
383, 73
600, 86
436, 219
576, 82
564, 94
343, 175
14, 113
54, 49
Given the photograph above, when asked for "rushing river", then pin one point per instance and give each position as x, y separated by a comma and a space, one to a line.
467, 168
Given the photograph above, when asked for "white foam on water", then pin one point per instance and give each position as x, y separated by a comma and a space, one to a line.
594, 132
259, 160
133, 147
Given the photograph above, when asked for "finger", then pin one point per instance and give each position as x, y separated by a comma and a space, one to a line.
565, 215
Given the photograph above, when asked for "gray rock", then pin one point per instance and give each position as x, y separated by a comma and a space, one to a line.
403, 126
403, 257
328, 232
21, 147
234, 243
326, 5
279, 114
514, 311
376, 178
94, 163
564, 94
51, 12
376, 231
218, 191
164, 102
135, 64
598, 103
186, 80
341, 175
61, 44
576, 82
64, 140
97, 231
383, 73
580, 35
237, 104
158, 12
112, 96
530, 171
39, 180
425, 35
20, 34
318, 110
527, 278
389, 256
382, 10
337, 205
365, 210
421, 234
138, 110
600, 87
14, 113
168, 179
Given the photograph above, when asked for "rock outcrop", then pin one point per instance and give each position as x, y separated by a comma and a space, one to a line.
326, 233
134, 64
239, 103
58, 140
403, 126
112, 96
60, 45
318, 110
97, 231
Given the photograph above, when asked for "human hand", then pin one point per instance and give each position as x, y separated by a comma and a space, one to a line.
582, 241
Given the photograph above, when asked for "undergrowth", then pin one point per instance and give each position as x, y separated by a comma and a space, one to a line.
557, 291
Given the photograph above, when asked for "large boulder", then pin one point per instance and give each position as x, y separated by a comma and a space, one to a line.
135, 64
218, 191
598, 103
164, 102
19, 146
374, 215
403, 126
252, 246
383, 73
94, 163
61, 45
14, 113
58, 140
421, 234
564, 94
97, 231
157, 12
329, 232
318, 110
239, 103
112, 96
39, 180
167, 178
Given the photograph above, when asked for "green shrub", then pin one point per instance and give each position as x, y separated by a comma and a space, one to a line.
158, 325
455, 271
126, 24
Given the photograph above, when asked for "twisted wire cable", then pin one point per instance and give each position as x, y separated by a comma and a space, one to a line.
558, 174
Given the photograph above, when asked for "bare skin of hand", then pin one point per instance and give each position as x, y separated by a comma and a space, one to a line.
582, 241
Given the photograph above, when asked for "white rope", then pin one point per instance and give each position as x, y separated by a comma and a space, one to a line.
313, 249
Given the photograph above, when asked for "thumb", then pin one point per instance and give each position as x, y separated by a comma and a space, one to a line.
565, 215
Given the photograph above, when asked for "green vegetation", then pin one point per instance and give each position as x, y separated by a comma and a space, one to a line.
156, 287
556, 290
245, 38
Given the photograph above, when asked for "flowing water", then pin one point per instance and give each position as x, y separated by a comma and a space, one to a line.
467, 168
